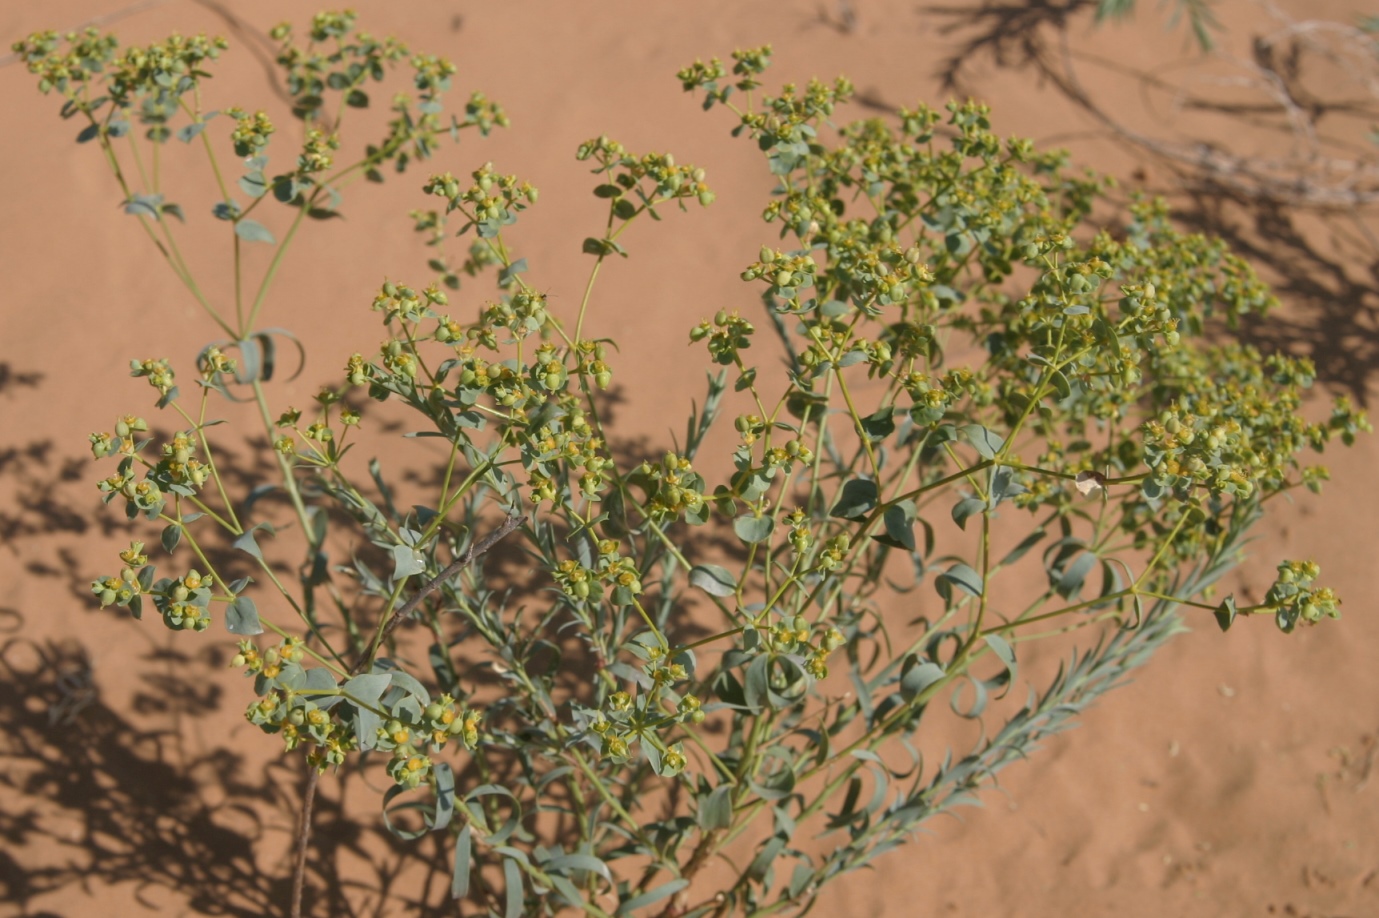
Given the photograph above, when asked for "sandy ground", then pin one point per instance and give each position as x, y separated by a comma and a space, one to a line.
1232, 777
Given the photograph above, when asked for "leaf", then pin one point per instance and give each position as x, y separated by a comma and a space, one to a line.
755, 685
715, 809
1019, 551
459, 878
1060, 383
753, 529
253, 231
986, 442
507, 275
1001, 648
1069, 583
247, 543
145, 205
254, 184
188, 133
880, 425
407, 561
242, 617
919, 676
172, 536
368, 688
965, 508
1226, 612
899, 523
960, 576
712, 579
858, 498
586, 863
512, 887
654, 895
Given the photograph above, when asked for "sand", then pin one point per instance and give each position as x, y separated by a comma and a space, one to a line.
1232, 777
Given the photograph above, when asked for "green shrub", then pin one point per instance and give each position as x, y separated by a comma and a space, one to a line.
960, 340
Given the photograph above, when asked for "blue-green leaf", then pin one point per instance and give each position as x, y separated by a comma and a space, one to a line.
512, 882
753, 529
712, 579
459, 879
715, 809
145, 205
581, 862
1001, 648
253, 231
1226, 612
858, 498
880, 425
246, 542
368, 688
965, 508
919, 676
960, 576
899, 523
508, 274
651, 896
407, 561
242, 617
254, 184
987, 443
1070, 582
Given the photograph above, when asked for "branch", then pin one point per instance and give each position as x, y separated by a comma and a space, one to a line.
470, 555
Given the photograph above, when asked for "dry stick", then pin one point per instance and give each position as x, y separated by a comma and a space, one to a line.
1343, 183
473, 553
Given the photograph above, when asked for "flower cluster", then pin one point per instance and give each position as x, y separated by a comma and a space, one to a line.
1294, 599
490, 203
638, 183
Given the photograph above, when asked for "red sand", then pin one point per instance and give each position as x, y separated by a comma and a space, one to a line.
1232, 778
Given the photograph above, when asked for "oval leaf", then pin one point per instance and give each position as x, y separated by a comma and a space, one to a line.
243, 617
253, 231
858, 498
753, 529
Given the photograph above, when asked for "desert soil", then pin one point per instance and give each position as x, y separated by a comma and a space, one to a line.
1232, 778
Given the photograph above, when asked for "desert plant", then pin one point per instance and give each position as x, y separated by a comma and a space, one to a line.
960, 342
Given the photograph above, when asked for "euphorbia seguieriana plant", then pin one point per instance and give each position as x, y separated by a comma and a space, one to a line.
962, 344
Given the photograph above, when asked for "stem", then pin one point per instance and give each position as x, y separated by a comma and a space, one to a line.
471, 554
303, 841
